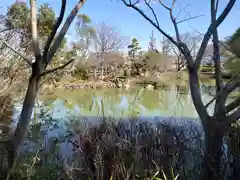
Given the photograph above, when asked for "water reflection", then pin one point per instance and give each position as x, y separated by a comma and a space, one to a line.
60, 128
136, 101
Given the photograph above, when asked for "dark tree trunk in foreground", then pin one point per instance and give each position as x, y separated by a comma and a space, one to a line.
10, 148
214, 128
213, 149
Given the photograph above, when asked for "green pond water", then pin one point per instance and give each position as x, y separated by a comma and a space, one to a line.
137, 101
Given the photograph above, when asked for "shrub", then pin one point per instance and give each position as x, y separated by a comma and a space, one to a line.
206, 69
81, 72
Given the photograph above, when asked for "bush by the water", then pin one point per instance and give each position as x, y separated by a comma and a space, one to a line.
128, 149
206, 69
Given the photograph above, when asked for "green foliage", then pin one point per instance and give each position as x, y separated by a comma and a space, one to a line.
18, 16
234, 43
85, 34
81, 71
46, 20
206, 69
235, 35
85, 19
18, 20
151, 59
134, 48
232, 65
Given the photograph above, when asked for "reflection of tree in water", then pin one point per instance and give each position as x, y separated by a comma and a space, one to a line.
150, 99
84, 99
99, 101
111, 98
90, 101
181, 96
168, 100
181, 90
164, 87
157, 100
133, 101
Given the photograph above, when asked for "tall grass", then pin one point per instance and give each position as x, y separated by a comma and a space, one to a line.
124, 150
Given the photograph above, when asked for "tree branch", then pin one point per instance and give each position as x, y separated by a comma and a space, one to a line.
219, 106
235, 116
150, 21
28, 61
233, 85
182, 46
166, 7
189, 18
196, 95
210, 30
173, 19
182, 9
54, 31
229, 87
4, 30
234, 104
64, 29
154, 14
47, 71
35, 42
221, 43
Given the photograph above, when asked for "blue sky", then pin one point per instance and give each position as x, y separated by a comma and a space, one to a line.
131, 24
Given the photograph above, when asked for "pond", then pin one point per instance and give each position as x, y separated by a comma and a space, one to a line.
57, 133
169, 100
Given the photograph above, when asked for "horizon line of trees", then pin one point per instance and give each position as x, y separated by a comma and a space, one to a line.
97, 47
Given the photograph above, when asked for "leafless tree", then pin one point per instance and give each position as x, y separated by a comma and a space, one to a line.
108, 39
39, 69
152, 43
216, 125
192, 41
166, 46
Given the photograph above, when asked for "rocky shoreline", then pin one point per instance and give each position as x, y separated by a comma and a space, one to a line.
96, 85
148, 84
88, 85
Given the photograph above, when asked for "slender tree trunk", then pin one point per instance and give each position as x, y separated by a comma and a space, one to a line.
23, 122
214, 134
234, 151
102, 69
95, 73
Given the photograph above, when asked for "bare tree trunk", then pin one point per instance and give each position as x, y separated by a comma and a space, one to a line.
178, 63
95, 73
214, 130
106, 69
214, 134
38, 69
25, 115
102, 69
9, 149
234, 151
